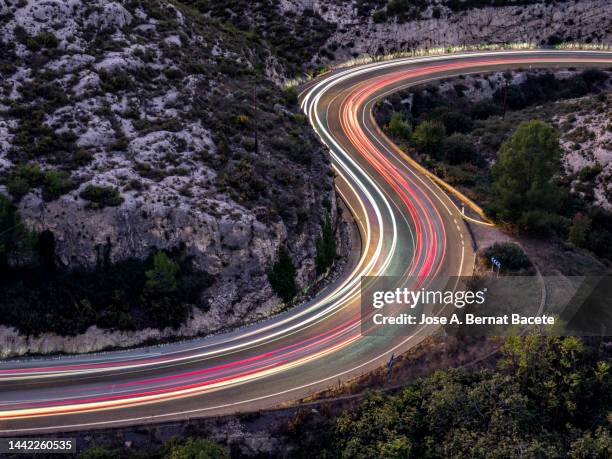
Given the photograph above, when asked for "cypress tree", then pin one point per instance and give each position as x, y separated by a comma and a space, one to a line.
326, 246
282, 276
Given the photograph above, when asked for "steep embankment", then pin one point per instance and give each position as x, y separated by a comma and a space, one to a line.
133, 126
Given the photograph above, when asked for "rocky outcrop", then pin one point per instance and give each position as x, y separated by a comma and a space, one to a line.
170, 111
587, 142
537, 23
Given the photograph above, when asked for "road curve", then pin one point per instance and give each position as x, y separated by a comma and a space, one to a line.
409, 228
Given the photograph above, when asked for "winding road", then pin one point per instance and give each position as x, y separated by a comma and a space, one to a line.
409, 228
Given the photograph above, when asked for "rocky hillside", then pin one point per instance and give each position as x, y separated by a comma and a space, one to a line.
386, 26
586, 138
308, 34
132, 126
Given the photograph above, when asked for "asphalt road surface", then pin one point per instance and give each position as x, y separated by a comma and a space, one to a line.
409, 228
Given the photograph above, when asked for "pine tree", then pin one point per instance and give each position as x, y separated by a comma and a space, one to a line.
524, 170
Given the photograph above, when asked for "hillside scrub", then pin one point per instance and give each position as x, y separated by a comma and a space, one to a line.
137, 127
500, 148
296, 38
547, 397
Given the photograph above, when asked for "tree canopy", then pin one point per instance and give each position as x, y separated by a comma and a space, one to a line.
523, 174
428, 138
549, 397
400, 127
194, 448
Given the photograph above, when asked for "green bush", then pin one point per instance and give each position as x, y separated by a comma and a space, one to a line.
400, 127
173, 73
484, 109
81, 157
115, 81
24, 178
458, 149
100, 452
579, 231
18, 186
513, 96
398, 7
510, 255
101, 196
542, 223
589, 173
291, 96
456, 122
428, 138
55, 184
121, 143
44, 39
194, 448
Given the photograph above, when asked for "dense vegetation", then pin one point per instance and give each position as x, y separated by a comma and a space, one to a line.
549, 397
37, 294
189, 448
295, 38
527, 189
